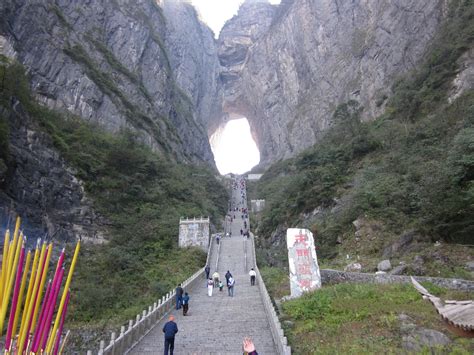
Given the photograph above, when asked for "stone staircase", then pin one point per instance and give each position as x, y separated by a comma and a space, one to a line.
218, 324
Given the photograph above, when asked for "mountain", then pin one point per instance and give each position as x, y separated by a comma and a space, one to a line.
288, 73
121, 65
155, 69
362, 111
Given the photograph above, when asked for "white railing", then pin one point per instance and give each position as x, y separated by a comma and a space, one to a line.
145, 322
275, 326
194, 220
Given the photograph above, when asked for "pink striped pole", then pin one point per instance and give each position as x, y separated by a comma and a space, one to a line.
34, 300
42, 317
61, 324
50, 302
52, 306
15, 299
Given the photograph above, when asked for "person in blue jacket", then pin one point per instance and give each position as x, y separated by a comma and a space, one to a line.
185, 303
170, 329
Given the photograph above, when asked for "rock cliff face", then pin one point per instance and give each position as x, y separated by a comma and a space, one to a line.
140, 65
41, 188
314, 55
107, 61
236, 38
193, 56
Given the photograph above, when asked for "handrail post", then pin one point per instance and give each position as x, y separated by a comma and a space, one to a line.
112, 343
101, 347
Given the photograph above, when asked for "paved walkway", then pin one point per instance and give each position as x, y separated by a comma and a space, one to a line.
218, 324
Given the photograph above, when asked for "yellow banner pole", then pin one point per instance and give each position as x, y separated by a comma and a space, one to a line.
10, 258
6, 244
6, 298
30, 285
40, 295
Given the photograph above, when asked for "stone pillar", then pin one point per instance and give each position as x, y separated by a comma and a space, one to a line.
304, 269
257, 205
194, 232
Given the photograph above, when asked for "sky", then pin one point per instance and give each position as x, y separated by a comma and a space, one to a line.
235, 151
216, 12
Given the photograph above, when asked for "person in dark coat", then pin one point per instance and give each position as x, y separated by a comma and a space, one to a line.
228, 275
170, 329
179, 296
207, 269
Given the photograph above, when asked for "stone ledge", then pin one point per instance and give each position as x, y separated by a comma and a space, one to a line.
329, 276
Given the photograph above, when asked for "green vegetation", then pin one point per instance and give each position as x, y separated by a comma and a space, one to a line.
356, 319
276, 281
412, 168
141, 197
420, 92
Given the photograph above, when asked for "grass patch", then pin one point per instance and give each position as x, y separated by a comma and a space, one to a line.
356, 318
276, 281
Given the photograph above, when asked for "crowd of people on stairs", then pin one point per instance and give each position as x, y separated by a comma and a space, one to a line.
170, 329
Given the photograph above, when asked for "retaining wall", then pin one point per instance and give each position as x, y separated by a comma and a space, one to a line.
329, 276
279, 337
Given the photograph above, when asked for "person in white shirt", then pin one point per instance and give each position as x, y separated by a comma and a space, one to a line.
252, 275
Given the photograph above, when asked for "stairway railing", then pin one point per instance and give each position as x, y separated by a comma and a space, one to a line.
275, 326
145, 322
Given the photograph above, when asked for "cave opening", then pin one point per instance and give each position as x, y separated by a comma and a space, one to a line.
235, 151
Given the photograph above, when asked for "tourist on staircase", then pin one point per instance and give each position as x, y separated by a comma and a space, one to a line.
179, 296
170, 329
185, 303
216, 277
228, 275
210, 286
230, 286
252, 275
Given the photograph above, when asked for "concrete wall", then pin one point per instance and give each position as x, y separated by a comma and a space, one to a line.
194, 232
257, 206
334, 276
